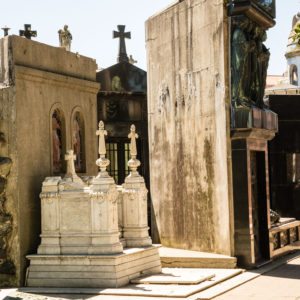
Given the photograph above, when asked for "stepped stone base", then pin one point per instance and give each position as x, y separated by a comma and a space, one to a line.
179, 258
92, 271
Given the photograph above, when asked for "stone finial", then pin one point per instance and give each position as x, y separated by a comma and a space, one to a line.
133, 163
102, 162
5, 30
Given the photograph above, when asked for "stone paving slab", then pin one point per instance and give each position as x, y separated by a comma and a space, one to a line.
280, 283
176, 276
285, 271
148, 290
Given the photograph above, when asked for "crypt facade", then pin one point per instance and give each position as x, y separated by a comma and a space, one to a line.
48, 105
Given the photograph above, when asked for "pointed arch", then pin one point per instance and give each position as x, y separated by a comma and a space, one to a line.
78, 139
58, 139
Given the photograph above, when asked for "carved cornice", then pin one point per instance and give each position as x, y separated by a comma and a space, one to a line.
29, 74
254, 12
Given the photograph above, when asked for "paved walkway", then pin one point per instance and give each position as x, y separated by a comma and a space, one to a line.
282, 283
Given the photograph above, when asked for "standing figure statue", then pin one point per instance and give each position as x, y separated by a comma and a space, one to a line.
263, 63
65, 38
240, 49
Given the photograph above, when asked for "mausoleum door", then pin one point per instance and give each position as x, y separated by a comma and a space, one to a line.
259, 205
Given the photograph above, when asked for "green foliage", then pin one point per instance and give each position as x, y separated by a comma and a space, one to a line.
296, 36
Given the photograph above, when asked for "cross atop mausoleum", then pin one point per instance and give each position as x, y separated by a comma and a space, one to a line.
121, 34
27, 32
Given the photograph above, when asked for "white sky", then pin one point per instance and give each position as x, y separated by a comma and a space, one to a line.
91, 23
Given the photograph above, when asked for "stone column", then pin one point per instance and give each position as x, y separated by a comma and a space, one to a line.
135, 222
104, 197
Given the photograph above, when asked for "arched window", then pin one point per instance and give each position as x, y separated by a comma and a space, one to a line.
78, 141
58, 141
293, 75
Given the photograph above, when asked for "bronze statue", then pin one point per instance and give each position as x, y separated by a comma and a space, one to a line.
240, 49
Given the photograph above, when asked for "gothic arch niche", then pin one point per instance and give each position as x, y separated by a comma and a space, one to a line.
58, 145
78, 140
293, 75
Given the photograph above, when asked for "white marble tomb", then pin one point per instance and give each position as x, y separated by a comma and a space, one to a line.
94, 234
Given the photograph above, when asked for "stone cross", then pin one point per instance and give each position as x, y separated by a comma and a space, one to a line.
121, 34
133, 136
102, 133
5, 30
27, 32
70, 157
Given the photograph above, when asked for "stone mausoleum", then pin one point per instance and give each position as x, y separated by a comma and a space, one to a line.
209, 127
48, 100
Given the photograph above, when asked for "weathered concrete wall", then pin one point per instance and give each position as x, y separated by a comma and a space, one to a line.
188, 107
10, 203
26, 122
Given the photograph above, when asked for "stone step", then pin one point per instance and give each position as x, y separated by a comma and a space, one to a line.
136, 291
133, 269
90, 268
176, 276
179, 258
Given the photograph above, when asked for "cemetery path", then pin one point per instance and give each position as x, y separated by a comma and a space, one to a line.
282, 283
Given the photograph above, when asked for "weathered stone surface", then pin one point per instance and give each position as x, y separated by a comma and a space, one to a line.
188, 108
32, 85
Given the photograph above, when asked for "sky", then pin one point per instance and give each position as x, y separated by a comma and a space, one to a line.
91, 23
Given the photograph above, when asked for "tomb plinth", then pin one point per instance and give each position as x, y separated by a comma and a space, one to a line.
135, 223
81, 244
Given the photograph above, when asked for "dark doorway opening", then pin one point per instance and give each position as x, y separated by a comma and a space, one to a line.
259, 206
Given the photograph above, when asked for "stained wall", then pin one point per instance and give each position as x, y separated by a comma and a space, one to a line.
189, 126
36, 79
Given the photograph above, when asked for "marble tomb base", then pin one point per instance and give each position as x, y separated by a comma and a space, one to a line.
91, 271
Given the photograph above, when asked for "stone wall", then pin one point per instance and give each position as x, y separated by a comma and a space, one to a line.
189, 126
39, 78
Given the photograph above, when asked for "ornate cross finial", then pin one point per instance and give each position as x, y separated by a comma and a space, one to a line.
121, 34
27, 32
5, 30
133, 136
133, 163
101, 133
102, 162
70, 157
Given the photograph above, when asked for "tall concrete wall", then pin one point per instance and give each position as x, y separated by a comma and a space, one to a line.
189, 128
37, 84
